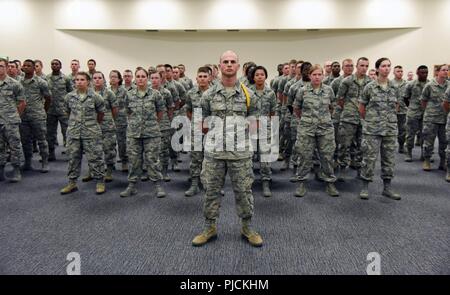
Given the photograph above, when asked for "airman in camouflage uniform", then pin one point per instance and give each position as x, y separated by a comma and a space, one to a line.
350, 128
178, 104
178, 111
228, 101
128, 80
38, 67
75, 67
193, 101
268, 108
12, 104
85, 109
164, 124
378, 109
291, 87
59, 86
447, 108
282, 107
313, 105
34, 118
347, 66
108, 125
274, 82
121, 118
414, 116
187, 81
400, 83
335, 73
434, 118
145, 108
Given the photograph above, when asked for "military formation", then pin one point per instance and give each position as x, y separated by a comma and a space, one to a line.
312, 118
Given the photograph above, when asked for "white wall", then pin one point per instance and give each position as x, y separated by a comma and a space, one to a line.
416, 32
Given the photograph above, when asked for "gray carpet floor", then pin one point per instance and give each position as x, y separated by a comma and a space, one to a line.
316, 234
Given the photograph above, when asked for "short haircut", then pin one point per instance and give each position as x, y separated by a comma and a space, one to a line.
208, 67
76, 60
176, 67
38, 61
93, 60
4, 60
86, 75
204, 70
335, 62
347, 60
141, 69
55, 59
101, 73
293, 61
181, 65
30, 61
155, 72
398, 67
168, 66
314, 68
128, 71
422, 67
362, 58
12, 63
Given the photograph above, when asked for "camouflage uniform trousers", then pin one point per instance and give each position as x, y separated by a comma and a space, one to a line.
429, 133
195, 167
401, 125
52, 129
94, 153
265, 167
109, 146
284, 130
348, 135
371, 146
166, 147
448, 143
213, 178
10, 138
306, 146
290, 150
121, 135
30, 130
147, 150
413, 127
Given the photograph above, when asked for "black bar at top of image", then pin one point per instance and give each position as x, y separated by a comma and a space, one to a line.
226, 284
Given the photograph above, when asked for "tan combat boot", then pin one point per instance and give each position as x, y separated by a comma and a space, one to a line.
426, 165
331, 190
70, 188
251, 236
108, 173
208, 234
100, 188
